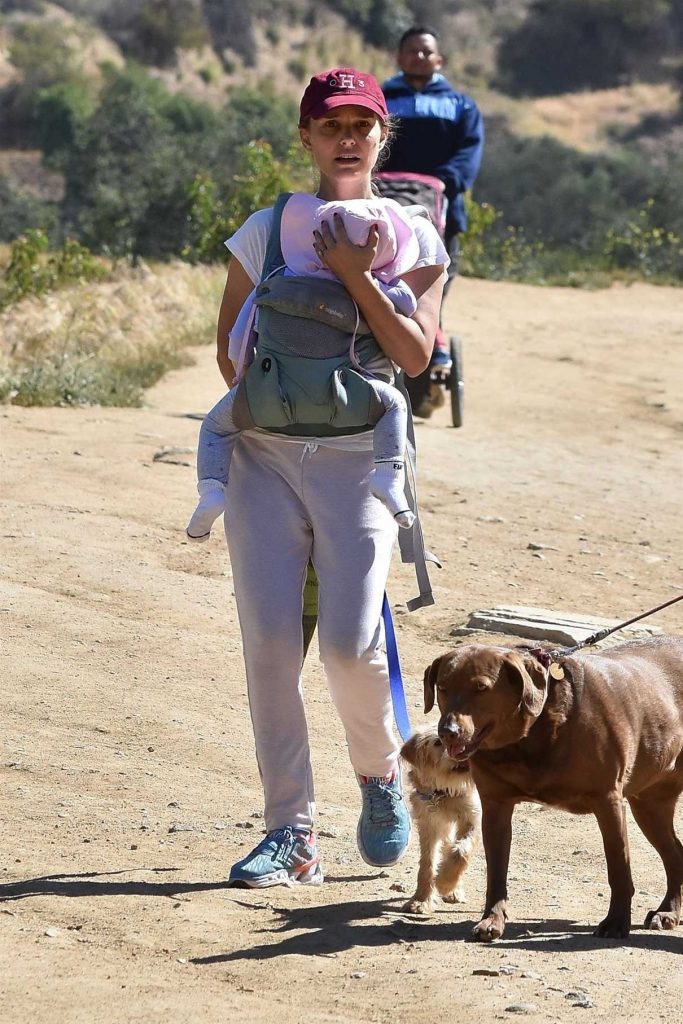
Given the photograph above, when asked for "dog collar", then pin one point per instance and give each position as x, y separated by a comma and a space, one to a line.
434, 797
550, 660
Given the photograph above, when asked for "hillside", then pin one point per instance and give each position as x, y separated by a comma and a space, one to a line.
109, 112
279, 45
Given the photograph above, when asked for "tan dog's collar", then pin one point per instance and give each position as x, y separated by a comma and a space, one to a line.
435, 797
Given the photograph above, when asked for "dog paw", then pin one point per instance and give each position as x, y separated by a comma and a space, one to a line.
613, 928
456, 896
661, 921
416, 906
489, 928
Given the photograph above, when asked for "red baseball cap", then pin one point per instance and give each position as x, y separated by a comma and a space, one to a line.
339, 87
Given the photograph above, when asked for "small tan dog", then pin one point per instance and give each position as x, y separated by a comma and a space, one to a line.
445, 807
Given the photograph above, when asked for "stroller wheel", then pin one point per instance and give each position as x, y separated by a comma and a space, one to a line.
456, 383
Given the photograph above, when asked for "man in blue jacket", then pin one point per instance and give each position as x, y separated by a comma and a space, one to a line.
439, 132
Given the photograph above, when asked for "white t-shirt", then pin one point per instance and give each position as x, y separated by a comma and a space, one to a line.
249, 245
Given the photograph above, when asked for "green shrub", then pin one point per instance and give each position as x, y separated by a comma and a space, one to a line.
638, 249
129, 166
32, 271
645, 247
208, 74
152, 30
566, 198
208, 222
481, 217
80, 378
61, 112
260, 178
127, 172
258, 113
44, 59
505, 255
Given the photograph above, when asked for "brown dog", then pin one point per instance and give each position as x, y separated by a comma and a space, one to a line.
445, 807
611, 729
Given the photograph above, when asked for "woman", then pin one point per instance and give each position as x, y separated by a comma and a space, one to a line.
290, 499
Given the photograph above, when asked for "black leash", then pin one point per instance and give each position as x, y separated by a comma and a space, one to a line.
550, 659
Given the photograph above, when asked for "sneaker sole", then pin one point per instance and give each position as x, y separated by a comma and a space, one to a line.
386, 863
282, 877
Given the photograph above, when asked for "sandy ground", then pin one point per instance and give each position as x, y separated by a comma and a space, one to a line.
128, 778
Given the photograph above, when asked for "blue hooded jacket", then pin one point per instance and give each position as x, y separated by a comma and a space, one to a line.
440, 132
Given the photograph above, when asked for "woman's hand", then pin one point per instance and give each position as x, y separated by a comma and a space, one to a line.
338, 253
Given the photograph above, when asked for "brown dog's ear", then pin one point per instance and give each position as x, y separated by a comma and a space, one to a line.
430, 683
533, 679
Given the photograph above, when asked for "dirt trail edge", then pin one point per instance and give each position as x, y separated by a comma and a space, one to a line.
128, 783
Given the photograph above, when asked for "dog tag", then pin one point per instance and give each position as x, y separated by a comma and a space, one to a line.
556, 670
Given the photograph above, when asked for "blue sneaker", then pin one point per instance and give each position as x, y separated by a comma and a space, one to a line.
441, 358
384, 824
440, 364
285, 856
440, 367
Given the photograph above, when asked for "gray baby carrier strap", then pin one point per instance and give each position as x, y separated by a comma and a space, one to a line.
411, 542
305, 379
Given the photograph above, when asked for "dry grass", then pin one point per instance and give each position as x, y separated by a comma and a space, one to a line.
105, 342
141, 307
583, 120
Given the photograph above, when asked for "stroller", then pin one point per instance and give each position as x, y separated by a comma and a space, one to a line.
425, 190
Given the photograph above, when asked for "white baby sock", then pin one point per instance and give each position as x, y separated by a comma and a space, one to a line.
210, 506
387, 484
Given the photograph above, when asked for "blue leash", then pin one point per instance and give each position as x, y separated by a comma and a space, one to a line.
398, 696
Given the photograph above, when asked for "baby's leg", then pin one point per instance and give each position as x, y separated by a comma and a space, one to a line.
216, 443
389, 443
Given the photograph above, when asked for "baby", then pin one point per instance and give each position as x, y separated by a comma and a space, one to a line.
397, 252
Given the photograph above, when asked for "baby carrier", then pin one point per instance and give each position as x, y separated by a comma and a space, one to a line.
306, 380
312, 343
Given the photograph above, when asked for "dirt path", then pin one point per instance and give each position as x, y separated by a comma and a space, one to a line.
127, 775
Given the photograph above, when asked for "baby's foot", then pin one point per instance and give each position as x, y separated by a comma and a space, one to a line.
387, 483
406, 518
211, 505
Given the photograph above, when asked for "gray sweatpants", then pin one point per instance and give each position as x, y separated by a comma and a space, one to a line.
288, 501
